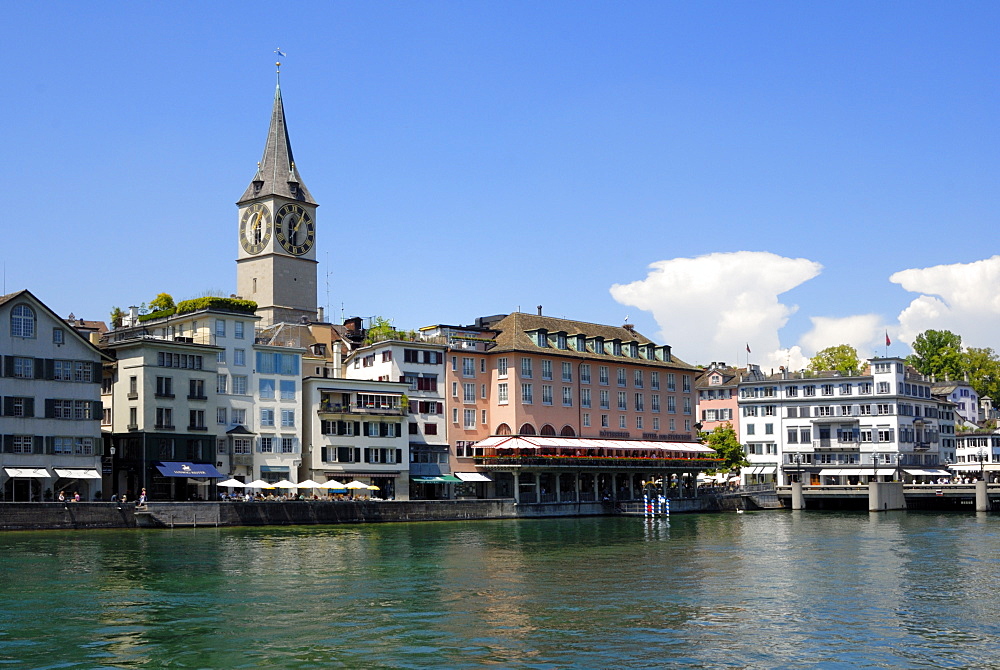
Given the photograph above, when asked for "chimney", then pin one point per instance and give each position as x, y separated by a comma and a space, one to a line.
539, 310
319, 314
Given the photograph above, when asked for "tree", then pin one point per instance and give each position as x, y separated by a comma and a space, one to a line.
723, 440
161, 302
937, 353
842, 358
983, 368
379, 330
117, 314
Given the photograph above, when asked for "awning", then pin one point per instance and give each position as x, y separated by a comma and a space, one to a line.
768, 470
927, 473
182, 469
472, 477
441, 479
830, 472
274, 468
33, 473
76, 473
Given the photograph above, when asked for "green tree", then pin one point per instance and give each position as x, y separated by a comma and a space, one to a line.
843, 358
723, 440
983, 368
380, 329
161, 302
938, 353
117, 314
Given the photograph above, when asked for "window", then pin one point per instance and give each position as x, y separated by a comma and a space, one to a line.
638, 423
884, 409
502, 367
584, 397
567, 396
58, 336
585, 373
454, 415
809, 390
266, 388
639, 403
502, 393
604, 378
526, 368
196, 388
671, 404
526, 393
845, 389
267, 416
654, 380
686, 383
164, 417
604, 421
687, 405
24, 368
220, 327
654, 402
220, 416
239, 357
546, 394
751, 429
288, 418
622, 401
605, 400
222, 384
238, 330
267, 445
567, 372
671, 381
239, 417
637, 379
165, 387
220, 357
196, 418
454, 389
468, 367
387, 356
287, 388
769, 429
883, 387
621, 376
22, 321
240, 384
622, 421
586, 420
546, 369
241, 445
469, 393
826, 389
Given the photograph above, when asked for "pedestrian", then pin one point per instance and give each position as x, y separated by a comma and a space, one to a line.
62, 496
76, 497
142, 497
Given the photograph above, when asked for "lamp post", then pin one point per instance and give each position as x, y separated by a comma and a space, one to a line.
875, 466
798, 467
982, 464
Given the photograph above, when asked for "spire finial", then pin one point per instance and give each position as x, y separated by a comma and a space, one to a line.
282, 54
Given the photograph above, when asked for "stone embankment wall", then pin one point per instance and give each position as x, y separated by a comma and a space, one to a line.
65, 516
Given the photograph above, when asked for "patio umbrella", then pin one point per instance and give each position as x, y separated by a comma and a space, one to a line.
284, 484
307, 484
259, 484
332, 484
373, 488
355, 485
232, 483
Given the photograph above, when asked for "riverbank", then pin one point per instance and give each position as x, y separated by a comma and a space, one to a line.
66, 516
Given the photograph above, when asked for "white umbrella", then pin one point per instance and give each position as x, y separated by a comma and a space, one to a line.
355, 485
307, 484
332, 484
284, 484
232, 483
259, 484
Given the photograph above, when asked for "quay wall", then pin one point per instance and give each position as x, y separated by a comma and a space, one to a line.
68, 516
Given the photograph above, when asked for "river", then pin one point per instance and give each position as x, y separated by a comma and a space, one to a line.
757, 590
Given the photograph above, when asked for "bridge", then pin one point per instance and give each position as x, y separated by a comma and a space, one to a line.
882, 496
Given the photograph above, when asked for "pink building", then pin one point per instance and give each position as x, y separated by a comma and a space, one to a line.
717, 398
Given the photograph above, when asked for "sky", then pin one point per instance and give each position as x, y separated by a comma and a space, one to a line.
773, 176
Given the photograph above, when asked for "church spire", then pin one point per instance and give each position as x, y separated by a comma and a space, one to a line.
276, 172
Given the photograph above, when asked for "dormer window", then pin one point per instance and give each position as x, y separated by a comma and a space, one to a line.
581, 342
665, 354
561, 340
633, 349
616, 347
598, 345
541, 337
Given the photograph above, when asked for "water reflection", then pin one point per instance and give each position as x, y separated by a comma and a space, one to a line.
755, 589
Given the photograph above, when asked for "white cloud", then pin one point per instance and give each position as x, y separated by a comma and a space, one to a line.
712, 306
962, 298
862, 331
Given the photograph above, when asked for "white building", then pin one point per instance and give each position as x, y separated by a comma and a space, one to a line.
964, 396
832, 429
50, 415
419, 365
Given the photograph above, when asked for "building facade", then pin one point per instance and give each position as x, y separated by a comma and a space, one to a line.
50, 404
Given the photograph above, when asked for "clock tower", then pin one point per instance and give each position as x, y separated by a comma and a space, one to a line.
276, 265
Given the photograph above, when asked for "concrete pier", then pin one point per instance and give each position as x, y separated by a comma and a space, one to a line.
798, 498
885, 496
982, 497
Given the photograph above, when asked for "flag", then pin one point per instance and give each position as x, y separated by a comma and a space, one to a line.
887, 340
279, 52
748, 348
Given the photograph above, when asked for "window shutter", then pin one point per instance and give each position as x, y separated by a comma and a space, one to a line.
357, 428
383, 430
50, 445
368, 455
399, 455
357, 454
8, 444
8, 366
39, 446
50, 408
29, 407
98, 372
96, 410
40, 368
7, 407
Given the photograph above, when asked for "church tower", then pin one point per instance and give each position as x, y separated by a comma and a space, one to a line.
276, 266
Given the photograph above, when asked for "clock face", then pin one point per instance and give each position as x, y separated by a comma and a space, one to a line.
294, 229
255, 228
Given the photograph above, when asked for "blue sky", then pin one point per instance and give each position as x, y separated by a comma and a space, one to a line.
474, 158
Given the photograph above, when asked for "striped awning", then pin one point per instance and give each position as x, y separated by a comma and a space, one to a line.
32, 473
78, 473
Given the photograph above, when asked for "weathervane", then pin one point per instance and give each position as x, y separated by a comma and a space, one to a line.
282, 54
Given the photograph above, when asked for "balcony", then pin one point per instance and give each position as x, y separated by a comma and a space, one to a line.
354, 409
163, 426
838, 445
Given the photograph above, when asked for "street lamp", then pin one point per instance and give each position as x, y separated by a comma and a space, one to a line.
875, 466
798, 467
982, 464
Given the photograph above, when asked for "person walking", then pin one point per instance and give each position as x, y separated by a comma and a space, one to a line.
142, 497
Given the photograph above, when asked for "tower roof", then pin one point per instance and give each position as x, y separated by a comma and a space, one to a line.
276, 172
